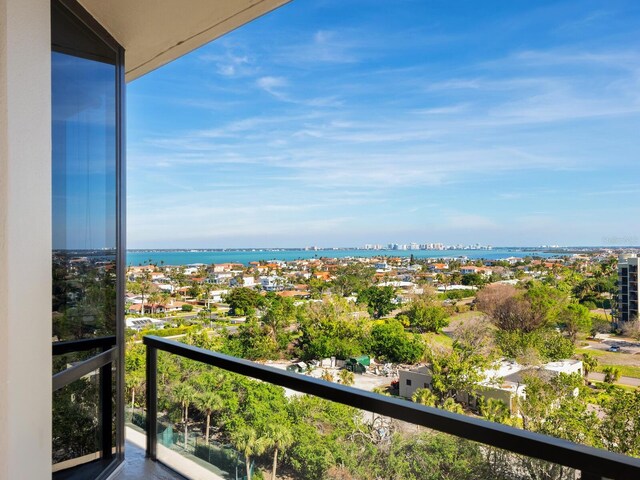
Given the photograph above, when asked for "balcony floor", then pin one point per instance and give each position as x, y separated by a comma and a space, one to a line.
137, 467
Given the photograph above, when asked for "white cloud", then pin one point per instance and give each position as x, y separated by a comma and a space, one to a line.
273, 86
325, 46
229, 64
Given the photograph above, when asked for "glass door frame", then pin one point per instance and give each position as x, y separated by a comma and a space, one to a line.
111, 347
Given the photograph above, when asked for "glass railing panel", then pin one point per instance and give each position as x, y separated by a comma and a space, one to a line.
190, 396
78, 427
68, 360
204, 414
315, 438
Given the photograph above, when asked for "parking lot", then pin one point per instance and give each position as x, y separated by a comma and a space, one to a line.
628, 346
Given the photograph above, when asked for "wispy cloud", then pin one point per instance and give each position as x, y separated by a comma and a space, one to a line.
323, 46
228, 64
272, 85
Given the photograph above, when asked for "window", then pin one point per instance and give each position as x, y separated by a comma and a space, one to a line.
86, 78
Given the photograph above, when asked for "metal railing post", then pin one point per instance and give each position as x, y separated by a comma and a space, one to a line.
152, 402
106, 408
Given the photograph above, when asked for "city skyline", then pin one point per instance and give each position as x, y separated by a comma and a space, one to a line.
496, 124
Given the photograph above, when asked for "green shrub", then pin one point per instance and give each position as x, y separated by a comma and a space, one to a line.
462, 308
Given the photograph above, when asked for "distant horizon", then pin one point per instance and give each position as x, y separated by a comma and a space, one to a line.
248, 255
312, 248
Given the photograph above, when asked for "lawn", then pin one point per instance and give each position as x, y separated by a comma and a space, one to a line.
611, 359
459, 317
438, 339
601, 355
625, 370
603, 390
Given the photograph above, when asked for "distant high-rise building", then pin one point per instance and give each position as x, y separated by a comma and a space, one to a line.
628, 288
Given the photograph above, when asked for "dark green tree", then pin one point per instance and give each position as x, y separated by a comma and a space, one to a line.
620, 427
473, 279
379, 300
244, 300
574, 318
352, 278
427, 317
455, 372
390, 342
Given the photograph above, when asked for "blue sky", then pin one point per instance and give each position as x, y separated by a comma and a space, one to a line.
340, 123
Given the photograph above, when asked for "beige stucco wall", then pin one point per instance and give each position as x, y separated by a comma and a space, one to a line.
505, 396
25, 239
418, 380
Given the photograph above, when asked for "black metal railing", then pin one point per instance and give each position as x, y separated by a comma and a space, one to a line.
101, 361
593, 463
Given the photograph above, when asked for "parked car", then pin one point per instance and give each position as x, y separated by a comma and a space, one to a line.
614, 348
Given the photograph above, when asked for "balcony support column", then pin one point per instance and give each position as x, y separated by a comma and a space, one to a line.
25, 239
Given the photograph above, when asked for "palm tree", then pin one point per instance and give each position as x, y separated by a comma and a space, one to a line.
178, 279
380, 390
154, 298
611, 374
184, 394
589, 363
209, 402
346, 377
609, 267
143, 286
206, 292
494, 410
245, 439
280, 437
134, 383
164, 299
585, 290
424, 396
451, 405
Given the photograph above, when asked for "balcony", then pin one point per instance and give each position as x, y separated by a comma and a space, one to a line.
137, 466
485, 449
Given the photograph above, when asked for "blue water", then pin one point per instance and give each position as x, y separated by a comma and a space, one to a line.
165, 257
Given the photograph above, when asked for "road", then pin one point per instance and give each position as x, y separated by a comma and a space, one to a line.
599, 377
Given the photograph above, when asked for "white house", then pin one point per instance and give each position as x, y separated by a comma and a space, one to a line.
272, 283
382, 267
504, 381
219, 277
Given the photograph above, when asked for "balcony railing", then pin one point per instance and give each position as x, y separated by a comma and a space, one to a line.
592, 463
99, 364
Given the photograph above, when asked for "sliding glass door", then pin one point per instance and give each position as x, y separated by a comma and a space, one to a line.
88, 247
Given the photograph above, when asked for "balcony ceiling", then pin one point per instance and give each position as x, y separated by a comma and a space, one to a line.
155, 32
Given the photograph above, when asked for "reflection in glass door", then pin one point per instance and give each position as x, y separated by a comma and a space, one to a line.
87, 245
